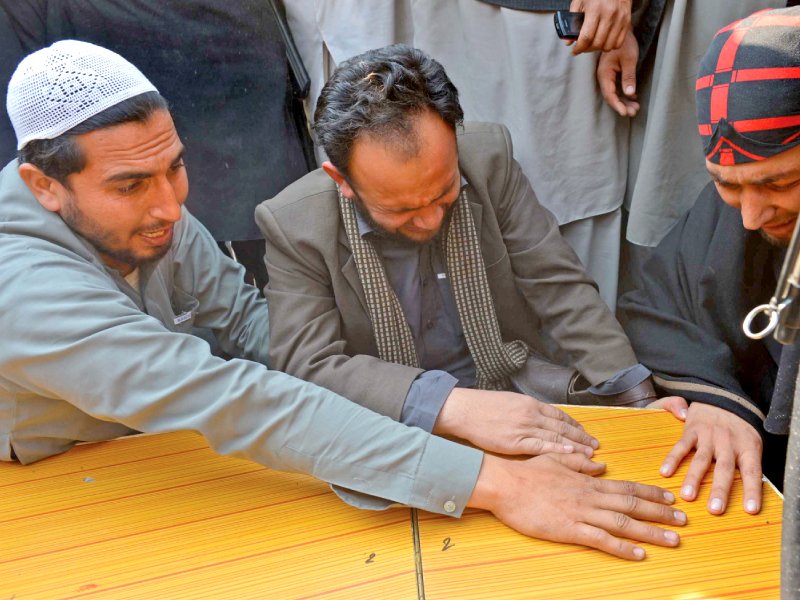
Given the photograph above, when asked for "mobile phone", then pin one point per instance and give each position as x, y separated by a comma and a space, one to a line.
568, 24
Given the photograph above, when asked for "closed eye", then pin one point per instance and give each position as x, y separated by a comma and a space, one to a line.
130, 188
726, 185
783, 186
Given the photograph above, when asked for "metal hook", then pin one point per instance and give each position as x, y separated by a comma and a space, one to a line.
772, 310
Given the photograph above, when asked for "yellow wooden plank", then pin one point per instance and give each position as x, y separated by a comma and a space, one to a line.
164, 517
189, 524
730, 556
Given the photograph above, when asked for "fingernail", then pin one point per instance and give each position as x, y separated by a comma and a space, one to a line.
669, 496
664, 469
751, 506
568, 448
671, 537
687, 492
716, 504
680, 516
588, 452
629, 90
638, 553
683, 413
595, 444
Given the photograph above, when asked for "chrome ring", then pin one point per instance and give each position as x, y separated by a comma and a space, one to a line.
767, 309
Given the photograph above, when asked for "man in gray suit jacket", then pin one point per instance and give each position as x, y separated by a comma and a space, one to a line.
103, 273
416, 274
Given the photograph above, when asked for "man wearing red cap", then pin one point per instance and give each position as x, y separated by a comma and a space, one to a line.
723, 258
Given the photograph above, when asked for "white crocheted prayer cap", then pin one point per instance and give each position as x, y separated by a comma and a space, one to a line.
58, 87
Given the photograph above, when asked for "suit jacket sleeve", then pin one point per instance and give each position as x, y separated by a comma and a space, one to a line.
305, 322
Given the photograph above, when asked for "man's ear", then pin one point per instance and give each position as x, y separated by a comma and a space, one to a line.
49, 192
340, 180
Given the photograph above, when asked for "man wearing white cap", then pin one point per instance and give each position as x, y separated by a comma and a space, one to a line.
102, 275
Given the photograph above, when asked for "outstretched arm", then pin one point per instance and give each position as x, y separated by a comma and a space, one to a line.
555, 497
511, 423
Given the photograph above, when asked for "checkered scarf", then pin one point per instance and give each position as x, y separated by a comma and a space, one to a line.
494, 360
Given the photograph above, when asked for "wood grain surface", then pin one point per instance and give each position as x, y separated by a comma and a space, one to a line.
164, 517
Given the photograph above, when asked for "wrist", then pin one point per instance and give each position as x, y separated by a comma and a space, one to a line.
450, 417
486, 493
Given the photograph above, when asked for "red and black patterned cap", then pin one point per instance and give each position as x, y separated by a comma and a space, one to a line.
748, 88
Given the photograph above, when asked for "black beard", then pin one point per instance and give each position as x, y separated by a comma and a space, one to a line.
76, 221
128, 258
773, 241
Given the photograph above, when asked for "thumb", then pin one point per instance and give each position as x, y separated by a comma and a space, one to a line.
628, 75
674, 404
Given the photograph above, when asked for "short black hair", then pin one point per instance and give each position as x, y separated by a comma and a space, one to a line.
378, 93
62, 156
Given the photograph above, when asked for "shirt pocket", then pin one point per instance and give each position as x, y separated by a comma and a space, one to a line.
184, 311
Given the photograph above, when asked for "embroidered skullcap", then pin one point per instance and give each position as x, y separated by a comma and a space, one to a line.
58, 87
748, 88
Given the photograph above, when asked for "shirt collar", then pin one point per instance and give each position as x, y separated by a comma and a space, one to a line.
364, 228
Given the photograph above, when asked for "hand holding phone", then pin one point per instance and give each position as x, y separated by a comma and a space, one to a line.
568, 24
601, 26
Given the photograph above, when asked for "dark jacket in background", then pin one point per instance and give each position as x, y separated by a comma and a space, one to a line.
222, 67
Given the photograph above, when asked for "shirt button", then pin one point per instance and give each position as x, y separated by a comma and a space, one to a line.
449, 506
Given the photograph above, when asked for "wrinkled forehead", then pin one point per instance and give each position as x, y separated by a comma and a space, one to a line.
134, 147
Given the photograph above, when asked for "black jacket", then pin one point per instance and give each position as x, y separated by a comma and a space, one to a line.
685, 323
